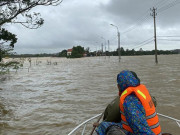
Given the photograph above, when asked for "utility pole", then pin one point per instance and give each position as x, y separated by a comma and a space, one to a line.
119, 52
0, 54
96, 51
105, 51
102, 49
154, 14
108, 49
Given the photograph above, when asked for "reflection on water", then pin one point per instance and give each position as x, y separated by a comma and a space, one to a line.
53, 99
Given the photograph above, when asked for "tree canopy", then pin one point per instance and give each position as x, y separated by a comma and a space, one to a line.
8, 39
7, 36
63, 53
77, 52
11, 10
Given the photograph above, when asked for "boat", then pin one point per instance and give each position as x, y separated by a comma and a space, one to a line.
84, 124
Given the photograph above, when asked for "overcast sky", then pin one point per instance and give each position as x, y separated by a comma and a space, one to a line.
87, 23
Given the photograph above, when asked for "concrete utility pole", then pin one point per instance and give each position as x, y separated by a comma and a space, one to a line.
119, 52
154, 14
104, 46
108, 49
96, 51
105, 51
102, 49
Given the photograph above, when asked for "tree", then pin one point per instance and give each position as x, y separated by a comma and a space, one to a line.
9, 40
12, 9
77, 52
122, 51
87, 51
18, 11
63, 53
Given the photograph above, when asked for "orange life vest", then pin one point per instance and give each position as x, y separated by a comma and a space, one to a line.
143, 95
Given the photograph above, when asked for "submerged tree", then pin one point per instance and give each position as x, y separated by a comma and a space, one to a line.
18, 11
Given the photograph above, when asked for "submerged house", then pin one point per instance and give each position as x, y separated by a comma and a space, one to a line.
69, 52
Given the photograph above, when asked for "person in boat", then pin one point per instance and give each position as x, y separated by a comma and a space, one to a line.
112, 111
138, 114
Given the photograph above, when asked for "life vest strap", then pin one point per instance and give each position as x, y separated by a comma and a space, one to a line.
122, 113
123, 122
151, 116
154, 126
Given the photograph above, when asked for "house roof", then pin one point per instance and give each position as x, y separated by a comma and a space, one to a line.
69, 50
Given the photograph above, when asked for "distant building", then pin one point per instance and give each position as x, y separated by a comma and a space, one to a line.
84, 55
69, 52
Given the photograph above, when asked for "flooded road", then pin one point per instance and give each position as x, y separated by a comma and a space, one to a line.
53, 99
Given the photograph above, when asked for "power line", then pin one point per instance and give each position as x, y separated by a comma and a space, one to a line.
168, 3
160, 3
144, 44
174, 3
137, 23
138, 30
143, 17
170, 39
145, 41
168, 36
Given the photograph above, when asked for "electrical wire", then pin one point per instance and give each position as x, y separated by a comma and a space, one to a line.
143, 17
162, 6
168, 36
176, 2
161, 3
170, 39
168, 3
143, 44
138, 22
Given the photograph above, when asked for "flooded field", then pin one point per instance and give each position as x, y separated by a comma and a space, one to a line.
52, 99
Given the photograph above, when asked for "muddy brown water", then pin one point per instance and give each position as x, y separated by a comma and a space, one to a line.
53, 99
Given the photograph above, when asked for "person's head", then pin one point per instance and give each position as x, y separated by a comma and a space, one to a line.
127, 79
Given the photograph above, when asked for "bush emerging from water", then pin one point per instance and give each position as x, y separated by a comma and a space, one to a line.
5, 67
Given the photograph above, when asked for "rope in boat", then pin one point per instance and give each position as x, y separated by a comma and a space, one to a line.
177, 121
76, 128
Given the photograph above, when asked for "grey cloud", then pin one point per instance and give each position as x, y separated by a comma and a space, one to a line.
130, 11
84, 22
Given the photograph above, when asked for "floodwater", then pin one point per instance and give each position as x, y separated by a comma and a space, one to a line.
53, 99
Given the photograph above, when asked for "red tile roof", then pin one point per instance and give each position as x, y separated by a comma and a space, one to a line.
69, 50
